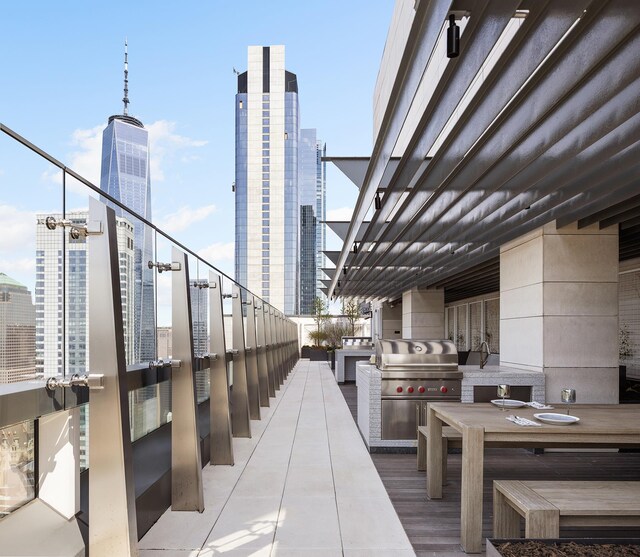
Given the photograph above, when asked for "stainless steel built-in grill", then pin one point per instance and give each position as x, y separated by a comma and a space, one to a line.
414, 372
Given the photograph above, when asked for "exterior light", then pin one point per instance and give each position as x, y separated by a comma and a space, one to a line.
338, 284
240, 105
355, 247
344, 270
453, 38
286, 135
377, 202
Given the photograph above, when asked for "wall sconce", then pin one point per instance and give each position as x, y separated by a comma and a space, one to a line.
453, 38
240, 105
344, 270
338, 284
286, 135
355, 247
377, 202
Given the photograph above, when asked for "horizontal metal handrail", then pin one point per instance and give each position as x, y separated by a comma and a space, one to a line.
16, 136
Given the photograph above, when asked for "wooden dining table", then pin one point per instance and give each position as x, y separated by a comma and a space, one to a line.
601, 425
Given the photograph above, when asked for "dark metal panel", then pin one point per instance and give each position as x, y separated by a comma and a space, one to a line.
186, 479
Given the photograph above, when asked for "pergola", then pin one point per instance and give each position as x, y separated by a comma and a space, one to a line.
537, 120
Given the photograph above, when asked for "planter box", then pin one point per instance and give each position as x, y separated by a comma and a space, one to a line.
304, 351
591, 543
318, 355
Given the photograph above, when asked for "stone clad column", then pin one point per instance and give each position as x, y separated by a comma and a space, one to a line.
559, 309
423, 314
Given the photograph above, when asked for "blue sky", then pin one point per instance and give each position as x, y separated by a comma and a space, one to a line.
62, 78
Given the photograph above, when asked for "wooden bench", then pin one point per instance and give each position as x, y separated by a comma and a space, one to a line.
450, 439
546, 506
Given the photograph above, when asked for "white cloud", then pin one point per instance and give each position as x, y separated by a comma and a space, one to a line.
165, 143
18, 229
85, 157
217, 252
340, 214
13, 267
184, 217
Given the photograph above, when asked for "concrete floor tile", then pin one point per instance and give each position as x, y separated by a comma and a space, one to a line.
309, 481
167, 553
301, 552
382, 553
370, 523
182, 530
308, 522
245, 523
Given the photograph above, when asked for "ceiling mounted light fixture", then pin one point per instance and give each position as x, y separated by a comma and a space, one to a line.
377, 202
453, 38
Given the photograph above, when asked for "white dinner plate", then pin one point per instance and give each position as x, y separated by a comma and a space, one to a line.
556, 419
508, 403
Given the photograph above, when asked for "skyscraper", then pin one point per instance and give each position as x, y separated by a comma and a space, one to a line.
267, 214
17, 332
312, 193
58, 331
125, 177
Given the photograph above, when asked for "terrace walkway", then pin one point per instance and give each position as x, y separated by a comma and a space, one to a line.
303, 485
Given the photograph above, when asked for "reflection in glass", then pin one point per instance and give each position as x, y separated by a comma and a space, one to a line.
149, 408
17, 480
17, 331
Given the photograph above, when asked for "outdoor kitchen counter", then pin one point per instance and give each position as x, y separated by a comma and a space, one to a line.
369, 384
473, 376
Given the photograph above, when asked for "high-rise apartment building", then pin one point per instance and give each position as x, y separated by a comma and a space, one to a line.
61, 266
125, 177
267, 206
312, 193
17, 332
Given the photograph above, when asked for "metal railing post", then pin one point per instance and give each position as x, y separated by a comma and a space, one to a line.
220, 438
112, 512
263, 377
253, 385
186, 463
240, 419
271, 364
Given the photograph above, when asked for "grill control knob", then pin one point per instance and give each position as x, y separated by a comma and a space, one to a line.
410, 389
421, 389
398, 389
443, 389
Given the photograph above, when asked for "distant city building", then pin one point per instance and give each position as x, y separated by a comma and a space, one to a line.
57, 332
125, 177
312, 192
199, 291
165, 346
308, 226
17, 331
267, 215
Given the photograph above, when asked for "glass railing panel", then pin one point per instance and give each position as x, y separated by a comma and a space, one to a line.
227, 287
30, 190
199, 292
150, 406
17, 466
84, 437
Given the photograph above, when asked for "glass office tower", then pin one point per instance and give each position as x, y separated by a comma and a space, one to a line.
312, 193
267, 205
125, 176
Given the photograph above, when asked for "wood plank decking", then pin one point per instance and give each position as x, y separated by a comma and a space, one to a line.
433, 527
